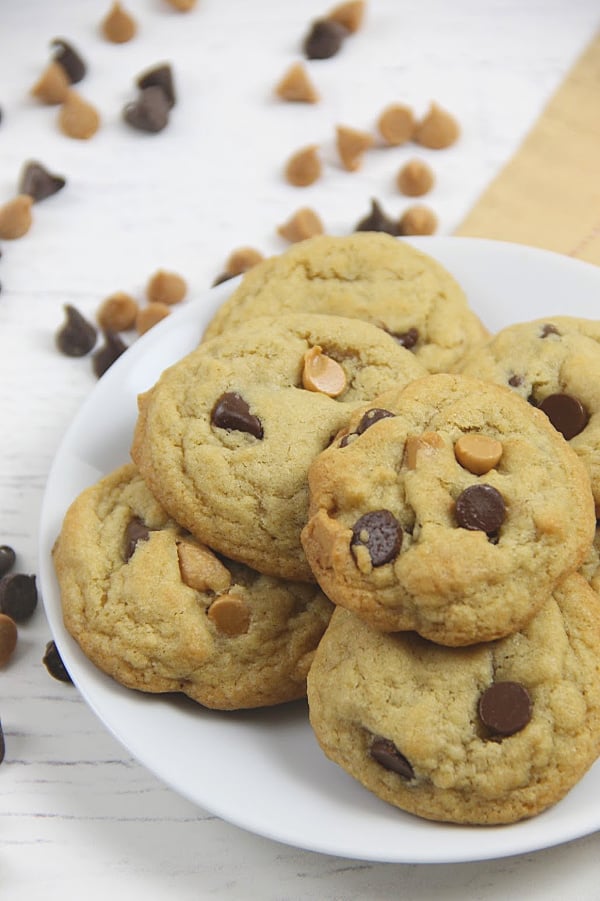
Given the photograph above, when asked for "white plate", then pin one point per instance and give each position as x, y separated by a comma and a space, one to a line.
263, 770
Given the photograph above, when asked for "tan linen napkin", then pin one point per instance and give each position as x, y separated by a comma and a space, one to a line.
548, 194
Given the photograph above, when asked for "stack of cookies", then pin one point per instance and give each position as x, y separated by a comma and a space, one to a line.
335, 495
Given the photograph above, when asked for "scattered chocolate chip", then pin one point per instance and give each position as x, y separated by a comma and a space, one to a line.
480, 508
160, 77
324, 39
54, 664
67, 57
223, 277
387, 754
377, 221
36, 181
18, 596
515, 381
150, 111
505, 708
2, 744
406, 339
381, 534
77, 336
7, 559
370, 418
232, 412
136, 531
548, 329
106, 355
566, 413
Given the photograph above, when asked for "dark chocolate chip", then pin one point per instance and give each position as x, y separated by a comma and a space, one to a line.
69, 59
18, 596
232, 412
223, 277
77, 336
566, 413
387, 754
371, 417
406, 339
54, 664
110, 351
505, 708
36, 181
324, 39
2, 744
381, 534
136, 531
7, 559
377, 221
515, 381
160, 77
480, 508
548, 329
348, 439
149, 112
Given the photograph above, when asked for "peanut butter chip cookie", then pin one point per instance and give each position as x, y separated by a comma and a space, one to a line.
451, 508
160, 612
488, 734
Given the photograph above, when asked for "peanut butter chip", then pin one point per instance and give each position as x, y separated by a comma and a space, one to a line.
53, 85
477, 453
396, 124
230, 615
78, 118
117, 313
417, 220
15, 217
417, 445
303, 224
201, 569
351, 145
349, 14
184, 6
242, 259
437, 130
304, 167
296, 86
415, 178
322, 374
147, 317
118, 26
8, 638
166, 287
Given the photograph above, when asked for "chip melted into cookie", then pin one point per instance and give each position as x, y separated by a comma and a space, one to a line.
136, 531
480, 508
505, 708
381, 534
387, 754
566, 413
233, 413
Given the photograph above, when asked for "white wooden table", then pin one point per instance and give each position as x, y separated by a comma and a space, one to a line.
79, 818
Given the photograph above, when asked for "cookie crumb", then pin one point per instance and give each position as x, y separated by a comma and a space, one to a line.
415, 178
166, 287
15, 217
396, 124
351, 145
437, 130
417, 220
52, 86
305, 223
296, 86
118, 26
77, 117
350, 15
147, 317
304, 167
118, 312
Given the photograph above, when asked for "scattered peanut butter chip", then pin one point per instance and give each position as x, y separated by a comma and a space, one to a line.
117, 312
415, 178
241, 259
426, 444
477, 453
396, 124
322, 373
183, 6
36, 181
303, 224
350, 15
15, 217
201, 569
166, 287
417, 220
296, 86
53, 85
67, 57
118, 26
77, 117
304, 167
230, 614
351, 145
8, 638
437, 130
147, 317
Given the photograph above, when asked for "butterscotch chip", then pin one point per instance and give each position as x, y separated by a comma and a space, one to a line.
415, 178
322, 373
149, 316
201, 569
478, 453
166, 287
77, 117
396, 124
230, 614
15, 217
416, 445
53, 85
304, 167
296, 86
303, 224
118, 312
437, 130
418, 220
350, 15
242, 259
118, 26
8, 638
183, 6
351, 145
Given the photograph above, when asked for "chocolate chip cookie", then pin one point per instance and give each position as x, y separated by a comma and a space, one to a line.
159, 612
369, 276
488, 734
451, 507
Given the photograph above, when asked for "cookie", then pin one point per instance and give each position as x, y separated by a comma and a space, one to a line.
225, 438
369, 276
552, 363
159, 612
488, 734
451, 507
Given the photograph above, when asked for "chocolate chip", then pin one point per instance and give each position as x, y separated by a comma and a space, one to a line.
36, 181
106, 355
566, 413
324, 39
77, 336
377, 221
2, 744
150, 111
7, 559
54, 664
348, 439
387, 754
480, 508
232, 412
406, 339
370, 418
548, 329
18, 596
69, 59
223, 277
515, 381
161, 77
505, 708
381, 534
136, 531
